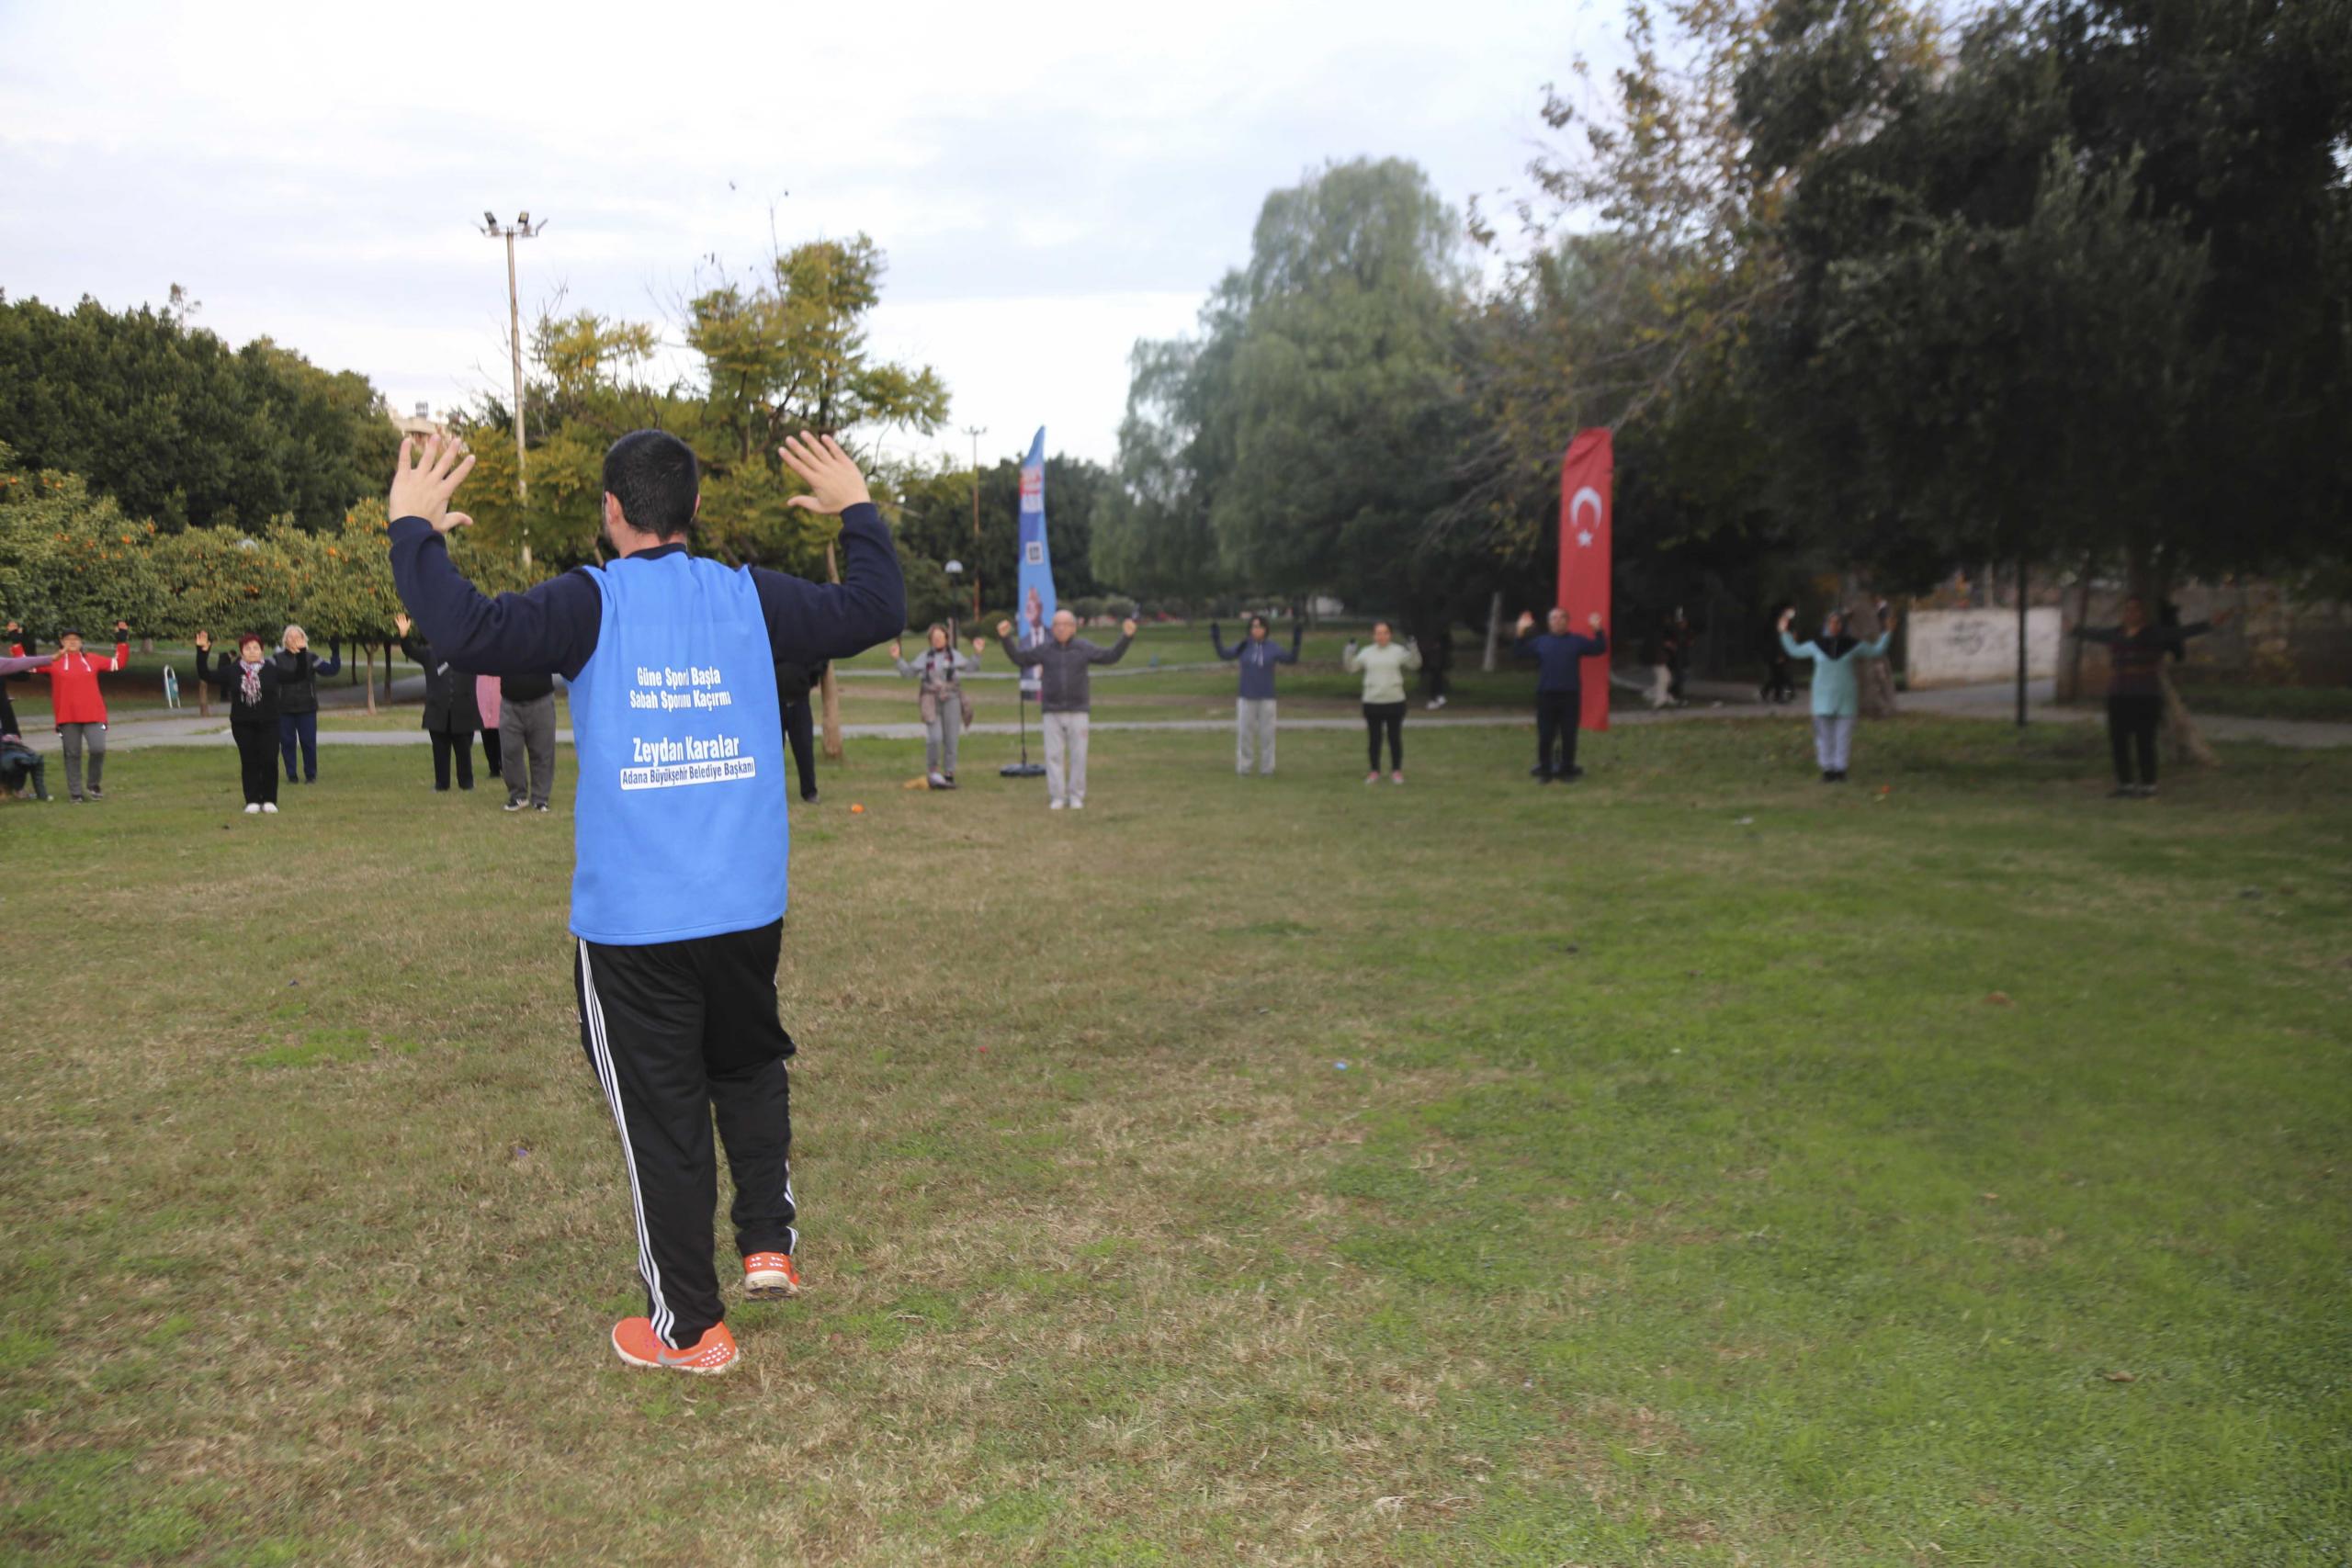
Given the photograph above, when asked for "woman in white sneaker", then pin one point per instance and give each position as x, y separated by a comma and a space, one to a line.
250, 684
940, 698
1384, 666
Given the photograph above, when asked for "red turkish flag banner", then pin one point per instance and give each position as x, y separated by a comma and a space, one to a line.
1588, 508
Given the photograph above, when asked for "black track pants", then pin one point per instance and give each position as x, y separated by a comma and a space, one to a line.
1388, 719
798, 733
2131, 724
1557, 715
679, 1032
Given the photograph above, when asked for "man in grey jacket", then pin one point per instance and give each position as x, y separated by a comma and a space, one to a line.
1061, 661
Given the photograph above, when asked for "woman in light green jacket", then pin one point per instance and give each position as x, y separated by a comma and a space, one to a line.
1384, 666
1836, 695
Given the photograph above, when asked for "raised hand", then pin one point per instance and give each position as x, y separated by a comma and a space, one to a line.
979, 645
204, 642
1004, 630
1786, 616
834, 484
1595, 619
423, 481
1526, 619
400, 623
1127, 626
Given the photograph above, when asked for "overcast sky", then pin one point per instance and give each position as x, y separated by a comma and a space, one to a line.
1050, 181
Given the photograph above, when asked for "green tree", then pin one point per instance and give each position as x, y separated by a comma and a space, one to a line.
789, 353
179, 428
1155, 534
2051, 298
69, 559
1298, 425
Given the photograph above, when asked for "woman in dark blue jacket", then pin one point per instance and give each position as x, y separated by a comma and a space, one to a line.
1254, 710
297, 699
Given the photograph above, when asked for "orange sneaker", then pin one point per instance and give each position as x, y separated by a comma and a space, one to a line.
770, 1276
635, 1341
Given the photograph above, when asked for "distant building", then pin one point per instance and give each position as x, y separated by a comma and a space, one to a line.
421, 423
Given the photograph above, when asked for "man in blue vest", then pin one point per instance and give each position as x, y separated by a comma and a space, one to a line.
678, 891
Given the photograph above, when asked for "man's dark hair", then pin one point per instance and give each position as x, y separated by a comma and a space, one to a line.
654, 475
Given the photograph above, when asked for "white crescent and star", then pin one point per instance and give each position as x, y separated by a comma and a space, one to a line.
1577, 500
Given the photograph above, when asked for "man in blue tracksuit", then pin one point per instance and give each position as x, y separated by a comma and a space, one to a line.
678, 892
1253, 711
1559, 688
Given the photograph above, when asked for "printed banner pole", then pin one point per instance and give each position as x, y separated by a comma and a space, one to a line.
1587, 509
1034, 612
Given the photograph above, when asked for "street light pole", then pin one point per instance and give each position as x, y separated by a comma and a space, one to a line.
522, 228
976, 431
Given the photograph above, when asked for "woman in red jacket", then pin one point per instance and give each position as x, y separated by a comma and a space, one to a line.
78, 709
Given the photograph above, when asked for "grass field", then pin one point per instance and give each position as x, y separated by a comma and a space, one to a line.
1694, 1166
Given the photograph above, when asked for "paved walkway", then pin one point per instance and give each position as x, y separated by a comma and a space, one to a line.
1714, 701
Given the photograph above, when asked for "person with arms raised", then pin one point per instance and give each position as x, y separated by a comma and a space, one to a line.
2135, 692
299, 670
940, 699
1559, 655
1837, 686
1384, 666
19, 763
1254, 710
253, 684
452, 709
1067, 697
76, 706
679, 884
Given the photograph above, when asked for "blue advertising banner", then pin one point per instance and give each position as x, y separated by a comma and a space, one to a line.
1035, 612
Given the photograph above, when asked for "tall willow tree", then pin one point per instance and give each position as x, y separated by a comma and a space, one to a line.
1308, 428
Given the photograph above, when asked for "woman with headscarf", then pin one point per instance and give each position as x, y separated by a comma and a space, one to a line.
1837, 689
297, 699
941, 699
251, 684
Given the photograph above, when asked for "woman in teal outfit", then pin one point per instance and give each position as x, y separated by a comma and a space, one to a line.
1836, 695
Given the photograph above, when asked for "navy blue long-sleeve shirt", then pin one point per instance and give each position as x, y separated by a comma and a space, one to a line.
1257, 655
553, 627
1557, 655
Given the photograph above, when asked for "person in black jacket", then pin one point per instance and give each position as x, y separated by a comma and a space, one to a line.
251, 684
451, 712
527, 721
795, 682
297, 699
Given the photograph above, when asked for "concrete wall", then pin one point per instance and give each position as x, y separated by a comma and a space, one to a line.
1967, 647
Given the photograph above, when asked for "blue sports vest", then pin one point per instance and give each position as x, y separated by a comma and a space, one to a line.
680, 817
